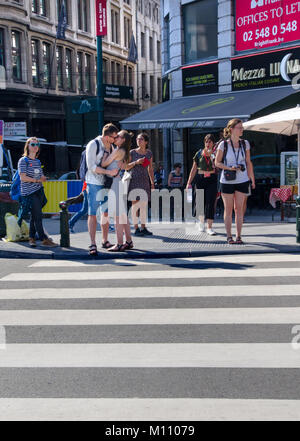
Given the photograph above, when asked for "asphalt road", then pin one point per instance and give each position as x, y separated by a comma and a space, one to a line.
181, 339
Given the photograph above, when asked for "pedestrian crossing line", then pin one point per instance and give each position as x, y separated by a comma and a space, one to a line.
146, 275
259, 258
150, 316
149, 292
148, 355
141, 409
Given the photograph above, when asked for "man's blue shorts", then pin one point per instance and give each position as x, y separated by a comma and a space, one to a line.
97, 197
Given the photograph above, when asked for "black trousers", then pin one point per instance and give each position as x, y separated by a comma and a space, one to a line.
210, 187
36, 217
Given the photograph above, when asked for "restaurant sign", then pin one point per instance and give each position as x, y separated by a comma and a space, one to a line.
200, 79
270, 69
265, 23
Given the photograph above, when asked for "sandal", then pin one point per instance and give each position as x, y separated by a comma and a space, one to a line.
116, 248
93, 250
239, 241
106, 245
127, 246
230, 240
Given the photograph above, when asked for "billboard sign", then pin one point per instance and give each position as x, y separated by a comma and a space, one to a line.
265, 23
269, 69
201, 79
101, 18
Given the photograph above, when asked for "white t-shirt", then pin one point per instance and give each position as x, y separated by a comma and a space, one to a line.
93, 161
233, 158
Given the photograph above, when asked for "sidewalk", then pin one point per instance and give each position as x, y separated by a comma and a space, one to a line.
169, 240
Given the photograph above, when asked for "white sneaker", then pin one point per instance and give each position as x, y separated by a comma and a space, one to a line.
211, 232
201, 228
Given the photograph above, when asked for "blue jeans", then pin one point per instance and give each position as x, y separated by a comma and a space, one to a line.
82, 212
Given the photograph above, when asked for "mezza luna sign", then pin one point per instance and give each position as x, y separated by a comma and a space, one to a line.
270, 69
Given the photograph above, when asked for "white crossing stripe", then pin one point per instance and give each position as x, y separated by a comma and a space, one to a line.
146, 275
150, 316
241, 259
150, 292
136, 355
143, 409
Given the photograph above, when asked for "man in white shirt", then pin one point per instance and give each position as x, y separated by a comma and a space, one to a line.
96, 193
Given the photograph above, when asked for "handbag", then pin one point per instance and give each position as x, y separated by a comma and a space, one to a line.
126, 176
108, 180
230, 175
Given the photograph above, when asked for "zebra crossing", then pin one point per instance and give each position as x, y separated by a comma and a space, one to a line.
191, 339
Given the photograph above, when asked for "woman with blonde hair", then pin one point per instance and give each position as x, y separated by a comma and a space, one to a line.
32, 192
117, 196
233, 158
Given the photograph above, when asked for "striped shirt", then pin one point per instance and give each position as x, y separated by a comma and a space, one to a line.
33, 169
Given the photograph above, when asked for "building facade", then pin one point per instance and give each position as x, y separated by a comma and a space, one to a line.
42, 78
224, 59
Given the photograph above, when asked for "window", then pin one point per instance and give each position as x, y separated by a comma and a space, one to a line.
68, 70
143, 51
59, 60
82, 15
87, 72
35, 68
200, 30
46, 63
105, 69
2, 49
127, 31
113, 73
151, 48
141, 6
39, 7
16, 56
125, 79
158, 50
130, 76
167, 42
80, 70
119, 80
159, 90
127, 2
144, 91
58, 8
115, 26
152, 93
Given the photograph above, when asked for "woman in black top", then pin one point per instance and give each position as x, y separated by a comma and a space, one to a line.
203, 171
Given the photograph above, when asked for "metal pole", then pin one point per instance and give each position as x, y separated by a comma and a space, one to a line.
100, 85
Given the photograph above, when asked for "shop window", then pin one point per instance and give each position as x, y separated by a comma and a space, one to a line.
35, 68
16, 55
46, 63
68, 70
80, 70
39, 7
82, 7
2, 48
200, 30
59, 62
87, 72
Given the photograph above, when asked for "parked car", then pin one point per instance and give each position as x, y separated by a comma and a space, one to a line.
70, 176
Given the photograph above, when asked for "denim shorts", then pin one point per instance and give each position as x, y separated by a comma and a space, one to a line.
97, 197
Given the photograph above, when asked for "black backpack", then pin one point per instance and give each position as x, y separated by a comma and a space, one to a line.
83, 165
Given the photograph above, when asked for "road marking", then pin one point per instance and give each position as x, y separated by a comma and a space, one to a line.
135, 355
146, 275
151, 317
139, 409
150, 292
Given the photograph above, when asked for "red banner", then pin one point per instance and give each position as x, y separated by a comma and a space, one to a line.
101, 18
264, 23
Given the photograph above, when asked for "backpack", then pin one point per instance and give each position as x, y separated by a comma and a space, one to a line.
83, 165
242, 141
15, 189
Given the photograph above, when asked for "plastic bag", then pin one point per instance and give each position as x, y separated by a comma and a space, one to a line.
13, 232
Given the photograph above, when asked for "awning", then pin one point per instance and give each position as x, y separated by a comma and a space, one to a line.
206, 111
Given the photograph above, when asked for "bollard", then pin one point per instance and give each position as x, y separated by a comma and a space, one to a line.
298, 219
64, 225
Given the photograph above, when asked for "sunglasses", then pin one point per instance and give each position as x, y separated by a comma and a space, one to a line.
35, 144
